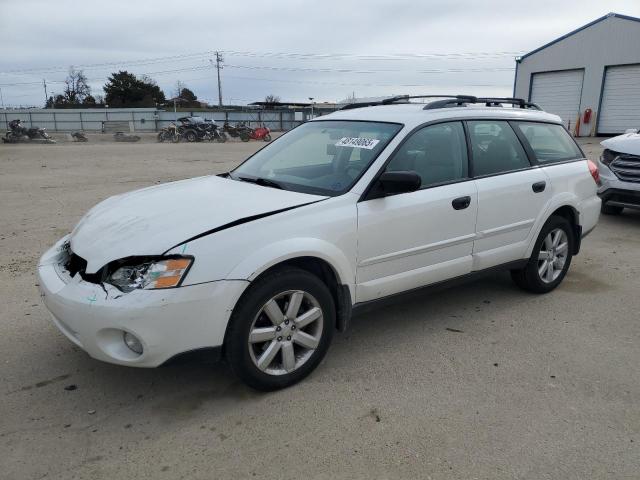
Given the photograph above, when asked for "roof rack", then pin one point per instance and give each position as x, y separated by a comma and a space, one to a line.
448, 101
463, 100
385, 101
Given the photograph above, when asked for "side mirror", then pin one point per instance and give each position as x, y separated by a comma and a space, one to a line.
331, 149
391, 183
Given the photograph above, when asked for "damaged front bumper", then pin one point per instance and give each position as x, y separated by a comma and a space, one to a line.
167, 322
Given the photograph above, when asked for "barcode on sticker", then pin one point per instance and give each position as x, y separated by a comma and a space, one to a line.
357, 142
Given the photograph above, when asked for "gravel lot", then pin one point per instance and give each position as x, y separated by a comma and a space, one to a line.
481, 381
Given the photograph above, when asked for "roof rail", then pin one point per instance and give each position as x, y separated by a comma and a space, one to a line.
488, 101
448, 101
385, 101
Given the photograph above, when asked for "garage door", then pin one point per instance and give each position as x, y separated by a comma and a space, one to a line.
620, 105
559, 93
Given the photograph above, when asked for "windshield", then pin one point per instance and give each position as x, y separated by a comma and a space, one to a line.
322, 157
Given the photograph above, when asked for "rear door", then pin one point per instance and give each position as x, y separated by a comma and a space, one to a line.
511, 193
413, 239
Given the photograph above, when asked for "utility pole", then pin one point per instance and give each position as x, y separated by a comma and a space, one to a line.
1, 98
46, 97
218, 68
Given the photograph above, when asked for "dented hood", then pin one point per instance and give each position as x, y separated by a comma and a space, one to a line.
152, 220
628, 143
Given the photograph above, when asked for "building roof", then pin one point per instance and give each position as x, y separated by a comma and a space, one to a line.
597, 20
280, 104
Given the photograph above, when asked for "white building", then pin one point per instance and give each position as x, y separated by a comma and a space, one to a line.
590, 76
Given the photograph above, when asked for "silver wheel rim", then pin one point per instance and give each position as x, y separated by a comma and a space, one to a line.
553, 255
286, 332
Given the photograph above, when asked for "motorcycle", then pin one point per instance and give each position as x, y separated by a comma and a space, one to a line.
247, 133
18, 133
261, 133
79, 137
239, 131
169, 134
214, 132
197, 129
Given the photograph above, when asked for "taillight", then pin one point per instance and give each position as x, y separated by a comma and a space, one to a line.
595, 173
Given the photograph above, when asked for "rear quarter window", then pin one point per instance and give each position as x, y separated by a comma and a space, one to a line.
549, 142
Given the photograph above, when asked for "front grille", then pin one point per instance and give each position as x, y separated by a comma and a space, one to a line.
626, 167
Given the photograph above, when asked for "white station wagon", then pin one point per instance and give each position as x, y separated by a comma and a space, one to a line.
261, 264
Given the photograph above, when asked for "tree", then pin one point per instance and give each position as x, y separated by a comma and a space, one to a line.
270, 101
188, 95
178, 88
76, 88
89, 101
124, 89
189, 99
76, 91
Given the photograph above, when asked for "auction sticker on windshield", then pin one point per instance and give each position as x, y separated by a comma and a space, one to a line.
357, 142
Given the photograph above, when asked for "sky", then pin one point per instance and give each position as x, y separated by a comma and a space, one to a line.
293, 49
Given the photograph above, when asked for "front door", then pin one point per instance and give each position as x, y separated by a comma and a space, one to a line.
413, 239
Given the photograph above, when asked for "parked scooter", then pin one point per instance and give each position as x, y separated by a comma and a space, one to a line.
169, 134
18, 133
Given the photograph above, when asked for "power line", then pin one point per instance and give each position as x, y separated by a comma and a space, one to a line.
280, 55
392, 56
288, 69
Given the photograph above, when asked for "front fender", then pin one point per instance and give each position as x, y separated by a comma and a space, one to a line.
263, 259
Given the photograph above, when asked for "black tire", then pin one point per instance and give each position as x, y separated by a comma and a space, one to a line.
267, 138
221, 138
529, 278
244, 137
610, 209
161, 137
249, 307
190, 136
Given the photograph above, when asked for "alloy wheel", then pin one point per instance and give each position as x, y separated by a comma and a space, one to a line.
553, 255
286, 332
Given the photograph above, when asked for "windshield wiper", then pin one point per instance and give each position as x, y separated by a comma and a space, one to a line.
265, 182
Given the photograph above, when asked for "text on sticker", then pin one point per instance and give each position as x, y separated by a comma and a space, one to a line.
357, 142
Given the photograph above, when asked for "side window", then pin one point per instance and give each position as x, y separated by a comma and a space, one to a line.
550, 143
437, 153
495, 148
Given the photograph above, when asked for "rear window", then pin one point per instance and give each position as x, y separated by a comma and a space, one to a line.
549, 142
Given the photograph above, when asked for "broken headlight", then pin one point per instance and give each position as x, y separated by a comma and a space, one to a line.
150, 275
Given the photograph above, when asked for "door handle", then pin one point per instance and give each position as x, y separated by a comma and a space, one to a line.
461, 203
539, 186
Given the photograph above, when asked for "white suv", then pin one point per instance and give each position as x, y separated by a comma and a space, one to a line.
263, 263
